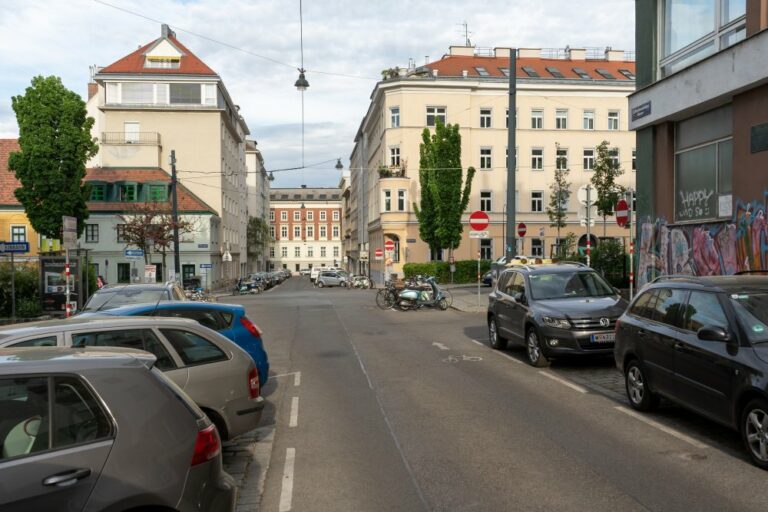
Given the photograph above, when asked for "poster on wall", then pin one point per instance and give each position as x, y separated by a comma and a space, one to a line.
53, 283
725, 206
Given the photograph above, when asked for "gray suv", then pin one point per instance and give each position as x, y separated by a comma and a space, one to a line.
554, 310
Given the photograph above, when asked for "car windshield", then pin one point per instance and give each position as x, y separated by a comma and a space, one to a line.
108, 299
564, 285
752, 310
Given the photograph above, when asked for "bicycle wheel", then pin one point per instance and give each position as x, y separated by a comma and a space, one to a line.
448, 298
383, 299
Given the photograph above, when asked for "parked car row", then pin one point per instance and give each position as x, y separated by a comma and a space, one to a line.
701, 342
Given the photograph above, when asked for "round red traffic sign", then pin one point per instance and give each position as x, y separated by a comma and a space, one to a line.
521, 229
622, 213
389, 245
379, 253
478, 220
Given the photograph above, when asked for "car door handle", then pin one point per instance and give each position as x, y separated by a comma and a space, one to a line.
67, 478
641, 333
679, 346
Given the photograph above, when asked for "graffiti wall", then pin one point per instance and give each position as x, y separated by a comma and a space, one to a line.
705, 249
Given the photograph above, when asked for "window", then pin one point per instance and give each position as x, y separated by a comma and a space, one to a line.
485, 158
158, 193
394, 156
297, 252
537, 119
193, 348
162, 62
284, 215
530, 72
387, 200
18, 233
401, 200
561, 119
504, 71
561, 161
643, 306
434, 113
209, 94
46, 341
482, 71
537, 201
589, 120
283, 232
296, 215
323, 233
120, 230
634, 159
322, 252
98, 192
271, 215
335, 231
486, 249
311, 215
139, 339
589, 159
335, 251
506, 119
283, 252
485, 118
537, 247
310, 252
668, 306
272, 232
91, 233
537, 159
335, 214
582, 74
128, 192
605, 74
613, 154
271, 252
485, 201
704, 309
613, 120
123, 272
296, 232
555, 72
323, 215
394, 117
185, 94
627, 73
136, 93
218, 321
311, 232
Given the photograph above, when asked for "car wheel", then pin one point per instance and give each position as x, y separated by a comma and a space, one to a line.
754, 431
533, 348
639, 394
320, 284
442, 304
497, 340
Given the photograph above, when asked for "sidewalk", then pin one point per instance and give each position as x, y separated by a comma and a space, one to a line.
465, 298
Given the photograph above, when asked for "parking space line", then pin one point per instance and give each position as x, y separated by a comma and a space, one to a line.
655, 424
507, 356
294, 412
564, 382
439, 345
297, 379
478, 343
286, 494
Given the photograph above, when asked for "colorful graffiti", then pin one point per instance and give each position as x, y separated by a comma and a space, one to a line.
721, 248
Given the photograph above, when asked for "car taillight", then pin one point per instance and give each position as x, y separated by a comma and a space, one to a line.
207, 445
252, 328
253, 383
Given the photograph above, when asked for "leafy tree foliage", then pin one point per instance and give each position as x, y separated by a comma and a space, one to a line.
604, 177
257, 235
443, 196
55, 140
559, 193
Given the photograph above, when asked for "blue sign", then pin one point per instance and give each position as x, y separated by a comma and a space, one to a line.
134, 253
206, 265
15, 247
202, 246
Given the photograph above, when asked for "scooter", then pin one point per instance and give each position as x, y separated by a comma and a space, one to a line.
415, 298
360, 282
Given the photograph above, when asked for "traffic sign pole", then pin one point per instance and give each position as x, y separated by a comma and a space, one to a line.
631, 243
589, 222
66, 277
13, 291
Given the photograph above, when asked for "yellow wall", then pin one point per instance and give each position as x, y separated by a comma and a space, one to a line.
9, 218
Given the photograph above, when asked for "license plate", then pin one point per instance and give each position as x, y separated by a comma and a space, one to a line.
603, 338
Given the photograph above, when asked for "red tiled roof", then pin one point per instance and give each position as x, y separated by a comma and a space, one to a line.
454, 65
190, 64
188, 202
8, 181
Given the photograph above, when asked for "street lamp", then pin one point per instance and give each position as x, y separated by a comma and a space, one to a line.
339, 165
302, 84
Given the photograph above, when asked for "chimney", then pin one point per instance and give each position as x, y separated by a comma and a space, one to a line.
501, 52
303, 186
166, 32
576, 54
531, 53
93, 89
466, 51
464, 73
434, 72
613, 55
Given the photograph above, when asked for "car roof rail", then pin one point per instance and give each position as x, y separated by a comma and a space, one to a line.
686, 277
748, 272
577, 263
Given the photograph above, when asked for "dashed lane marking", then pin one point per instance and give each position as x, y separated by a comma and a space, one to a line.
286, 494
294, 412
297, 379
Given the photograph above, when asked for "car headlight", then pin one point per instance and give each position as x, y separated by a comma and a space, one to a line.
560, 323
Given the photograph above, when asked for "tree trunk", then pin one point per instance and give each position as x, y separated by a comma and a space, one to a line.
165, 268
604, 225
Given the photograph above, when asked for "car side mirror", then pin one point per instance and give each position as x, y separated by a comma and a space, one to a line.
518, 297
713, 333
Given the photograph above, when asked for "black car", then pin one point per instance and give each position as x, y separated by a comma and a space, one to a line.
556, 310
701, 342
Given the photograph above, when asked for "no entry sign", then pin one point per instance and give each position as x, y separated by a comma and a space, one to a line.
478, 220
622, 213
389, 246
521, 229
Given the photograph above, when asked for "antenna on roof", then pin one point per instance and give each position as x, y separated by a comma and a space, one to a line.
466, 33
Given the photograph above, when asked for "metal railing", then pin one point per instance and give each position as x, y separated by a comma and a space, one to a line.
145, 138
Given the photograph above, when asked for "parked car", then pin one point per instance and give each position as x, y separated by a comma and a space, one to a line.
305, 271
554, 310
217, 374
488, 278
114, 295
315, 273
331, 278
227, 319
114, 418
701, 342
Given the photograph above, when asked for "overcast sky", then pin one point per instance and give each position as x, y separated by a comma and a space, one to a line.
358, 38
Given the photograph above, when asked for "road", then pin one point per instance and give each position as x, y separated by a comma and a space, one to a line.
377, 410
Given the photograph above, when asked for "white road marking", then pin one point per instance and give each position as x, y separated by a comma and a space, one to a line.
294, 412
478, 343
297, 379
663, 428
286, 494
439, 345
507, 356
283, 375
564, 382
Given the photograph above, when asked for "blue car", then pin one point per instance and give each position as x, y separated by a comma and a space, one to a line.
229, 320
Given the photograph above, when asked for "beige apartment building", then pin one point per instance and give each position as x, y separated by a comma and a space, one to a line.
162, 98
568, 101
257, 199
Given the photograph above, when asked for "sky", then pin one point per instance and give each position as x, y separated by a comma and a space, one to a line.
254, 45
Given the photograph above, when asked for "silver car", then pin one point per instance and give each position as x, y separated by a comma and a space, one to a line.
217, 374
331, 278
100, 429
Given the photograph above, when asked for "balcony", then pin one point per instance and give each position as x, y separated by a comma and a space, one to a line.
130, 149
393, 171
140, 138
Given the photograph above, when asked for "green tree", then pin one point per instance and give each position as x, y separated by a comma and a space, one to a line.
606, 171
559, 193
443, 196
55, 140
257, 236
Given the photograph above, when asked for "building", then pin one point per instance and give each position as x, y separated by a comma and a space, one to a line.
257, 200
348, 225
568, 101
305, 226
701, 117
162, 98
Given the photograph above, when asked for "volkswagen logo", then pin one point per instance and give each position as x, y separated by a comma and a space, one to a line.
604, 322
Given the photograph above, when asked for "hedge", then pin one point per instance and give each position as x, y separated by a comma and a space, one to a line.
466, 270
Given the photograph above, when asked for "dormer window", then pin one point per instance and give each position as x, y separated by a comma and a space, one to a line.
161, 62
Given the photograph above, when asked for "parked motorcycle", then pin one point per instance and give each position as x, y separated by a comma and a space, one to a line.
360, 282
423, 293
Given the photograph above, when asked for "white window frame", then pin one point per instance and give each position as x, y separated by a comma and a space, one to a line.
539, 158
323, 251
590, 158
296, 215
486, 158
588, 119
310, 232
436, 111
284, 232
284, 216
402, 198
310, 252
394, 156
297, 251
394, 117
561, 162
323, 232
386, 200
336, 251
486, 201
561, 119
538, 201
537, 247
284, 252
271, 215
335, 231
335, 215
24, 233
614, 120
311, 215
297, 232
537, 119
323, 215
486, 118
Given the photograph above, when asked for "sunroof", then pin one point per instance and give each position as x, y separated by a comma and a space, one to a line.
504, 71
530, 71
605, 73
581, 73
627, 73
482, 71
555, 72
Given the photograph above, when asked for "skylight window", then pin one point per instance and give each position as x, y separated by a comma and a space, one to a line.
161, 62
482, 71
555, 72
504, 71
530, 71
582, 74
605, 73
627, 73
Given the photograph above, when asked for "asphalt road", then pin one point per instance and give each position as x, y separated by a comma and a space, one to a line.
389, 411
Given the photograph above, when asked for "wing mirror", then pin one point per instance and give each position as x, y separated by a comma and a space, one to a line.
713, 333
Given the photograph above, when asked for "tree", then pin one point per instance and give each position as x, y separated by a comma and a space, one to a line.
55, 140
443, 199
257, 236
604, 180
559, 193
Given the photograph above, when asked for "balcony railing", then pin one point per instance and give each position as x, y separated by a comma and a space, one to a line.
139, 138
392, 171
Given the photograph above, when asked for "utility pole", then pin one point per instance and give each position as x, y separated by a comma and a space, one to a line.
512, 158
589, 221
175, 216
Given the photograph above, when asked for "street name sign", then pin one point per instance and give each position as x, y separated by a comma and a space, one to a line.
206, 265
479, 234
133, 253
69, 232
14, 247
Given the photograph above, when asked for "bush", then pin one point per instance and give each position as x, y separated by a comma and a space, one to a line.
27, 289
466, 270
